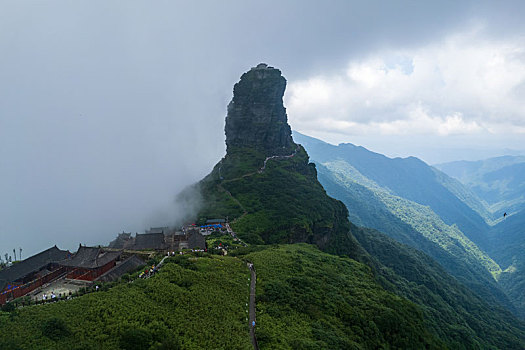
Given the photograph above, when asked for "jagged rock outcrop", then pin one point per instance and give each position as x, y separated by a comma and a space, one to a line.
256, 115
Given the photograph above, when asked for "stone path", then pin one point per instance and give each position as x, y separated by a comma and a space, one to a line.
251, 313
277, 157
260, 171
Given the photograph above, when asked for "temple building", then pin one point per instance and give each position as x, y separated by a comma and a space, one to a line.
88, 263
163, 239
27, 275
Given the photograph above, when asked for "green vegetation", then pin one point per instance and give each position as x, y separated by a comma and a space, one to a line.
513, 279
191, 303
508, 245
451, 311
408, 178
224, 240
498, 181
420, 206
285, 203
421, 218
417, 226
307, 299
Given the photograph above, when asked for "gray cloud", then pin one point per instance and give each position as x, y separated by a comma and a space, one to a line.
108, 110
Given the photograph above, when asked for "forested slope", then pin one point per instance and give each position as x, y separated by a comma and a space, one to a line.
368, 209
191, 303
456, 315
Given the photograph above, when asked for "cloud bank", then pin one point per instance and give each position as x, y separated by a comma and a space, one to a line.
464, 85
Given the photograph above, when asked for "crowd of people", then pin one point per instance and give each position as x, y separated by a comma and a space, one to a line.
54, 297
148, 272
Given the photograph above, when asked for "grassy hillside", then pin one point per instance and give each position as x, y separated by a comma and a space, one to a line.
312, 300
420, 218
408, 178
373, 205
306, 299
285, 203
191, 303
368, 209
508, 248
500, 182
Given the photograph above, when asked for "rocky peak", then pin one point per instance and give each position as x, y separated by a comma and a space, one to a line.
256, 115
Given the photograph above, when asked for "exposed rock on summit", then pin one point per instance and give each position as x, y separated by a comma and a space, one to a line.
265, 185
256, 115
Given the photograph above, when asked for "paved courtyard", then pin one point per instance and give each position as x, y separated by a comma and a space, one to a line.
61, 286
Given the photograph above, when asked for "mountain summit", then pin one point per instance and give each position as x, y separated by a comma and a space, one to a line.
265, 184
256, 115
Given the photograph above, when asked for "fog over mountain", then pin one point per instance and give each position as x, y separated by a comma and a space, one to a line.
107, 111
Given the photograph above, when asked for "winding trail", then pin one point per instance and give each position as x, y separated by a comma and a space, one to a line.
251, 314
260, 171
278, 157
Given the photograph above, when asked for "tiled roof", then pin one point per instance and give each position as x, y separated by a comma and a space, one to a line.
34, 263
90, 258
215, 221
196, 240
130, 264
149, 241
122, 241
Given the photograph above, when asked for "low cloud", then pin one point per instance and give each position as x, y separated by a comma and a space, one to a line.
462, 85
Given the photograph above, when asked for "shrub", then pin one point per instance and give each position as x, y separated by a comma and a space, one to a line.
55, 328
9, 307
135, 339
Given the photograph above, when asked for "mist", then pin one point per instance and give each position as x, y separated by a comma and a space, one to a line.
108, 111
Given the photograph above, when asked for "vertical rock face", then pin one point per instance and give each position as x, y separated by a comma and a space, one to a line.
256, 115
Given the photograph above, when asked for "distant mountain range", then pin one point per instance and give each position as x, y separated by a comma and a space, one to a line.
421, 206
500, 184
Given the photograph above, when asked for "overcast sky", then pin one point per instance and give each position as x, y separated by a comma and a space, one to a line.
109, 108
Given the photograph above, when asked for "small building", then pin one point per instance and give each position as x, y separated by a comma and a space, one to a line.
27, 275
88, 263
215, 222
146, 241
196, 240
163, 230
123, 241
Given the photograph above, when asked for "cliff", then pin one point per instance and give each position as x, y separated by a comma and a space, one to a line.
256, 115
265, 184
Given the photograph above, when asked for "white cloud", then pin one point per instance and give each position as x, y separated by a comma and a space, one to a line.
462, 85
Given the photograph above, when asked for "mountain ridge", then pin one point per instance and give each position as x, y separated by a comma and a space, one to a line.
283, 202
410, 224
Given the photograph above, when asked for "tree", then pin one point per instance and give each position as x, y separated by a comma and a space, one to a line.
135, 339
55, 328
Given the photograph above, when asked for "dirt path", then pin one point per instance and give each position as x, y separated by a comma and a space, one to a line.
251, 313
